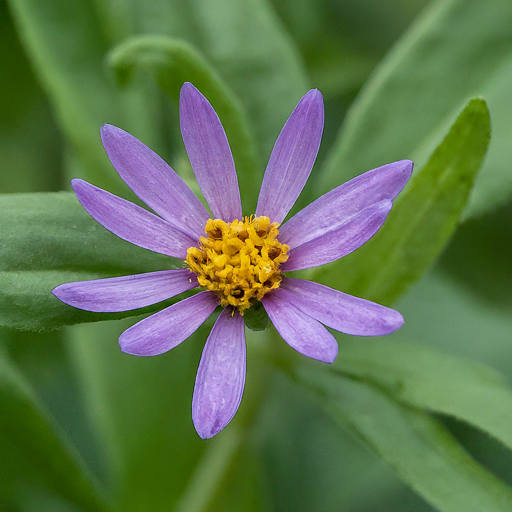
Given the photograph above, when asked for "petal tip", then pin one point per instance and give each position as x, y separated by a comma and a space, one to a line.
331, 355
82, 190
111, 136
403, 170
391, 321
314, 95
396, 321
57, 291
77, 184
124, 345
314, 100
407, 167
205, 430
188, 90
188, 86
108, 130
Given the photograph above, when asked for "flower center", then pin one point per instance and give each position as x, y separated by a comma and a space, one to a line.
239, 261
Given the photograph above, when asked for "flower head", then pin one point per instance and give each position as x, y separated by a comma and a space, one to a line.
237, 261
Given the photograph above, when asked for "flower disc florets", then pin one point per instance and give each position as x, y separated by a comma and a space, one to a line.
239, 261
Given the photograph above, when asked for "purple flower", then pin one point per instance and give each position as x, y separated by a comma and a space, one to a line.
237, 260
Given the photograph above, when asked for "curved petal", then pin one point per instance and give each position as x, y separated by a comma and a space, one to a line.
209, 153
131, 222
127, 292
339, 205
154, 181
338, 310
302, 332
292, 158
339, 242
221, 375
166, 329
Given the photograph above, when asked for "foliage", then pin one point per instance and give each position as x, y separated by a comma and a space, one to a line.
84, 427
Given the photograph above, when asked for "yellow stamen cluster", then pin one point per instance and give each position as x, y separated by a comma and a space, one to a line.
239, 261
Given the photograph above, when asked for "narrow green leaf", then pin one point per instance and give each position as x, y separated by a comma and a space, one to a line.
65, 43
423, 218
479, 255
457, 49
174, 62
426, 378
210, 471
312, 465
442, 314
244, 484
246, 42
27, 127
34, 452
53, 231
243, 39
420, 449
48, 239
68, 39
141, 407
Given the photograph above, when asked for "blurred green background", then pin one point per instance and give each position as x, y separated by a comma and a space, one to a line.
127, 419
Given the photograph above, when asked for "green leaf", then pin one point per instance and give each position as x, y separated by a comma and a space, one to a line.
174, 62
66, 46
311, 464
209, 472
243, 486
141, 407
48, 239
34, 453
423, 218
442, 314
250, 47
419, 448
27, 129
243, 39
479, 256
68, 39
457, 49
426, 378
227, 478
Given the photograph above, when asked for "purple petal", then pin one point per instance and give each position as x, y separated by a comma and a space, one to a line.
131, 222
209, 153
338, 310
221, 375
166, 329
339, 205
154, 181
127, 292
299, 330
340, 241
292, 158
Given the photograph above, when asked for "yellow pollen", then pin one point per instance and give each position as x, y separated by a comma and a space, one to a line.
239, 261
